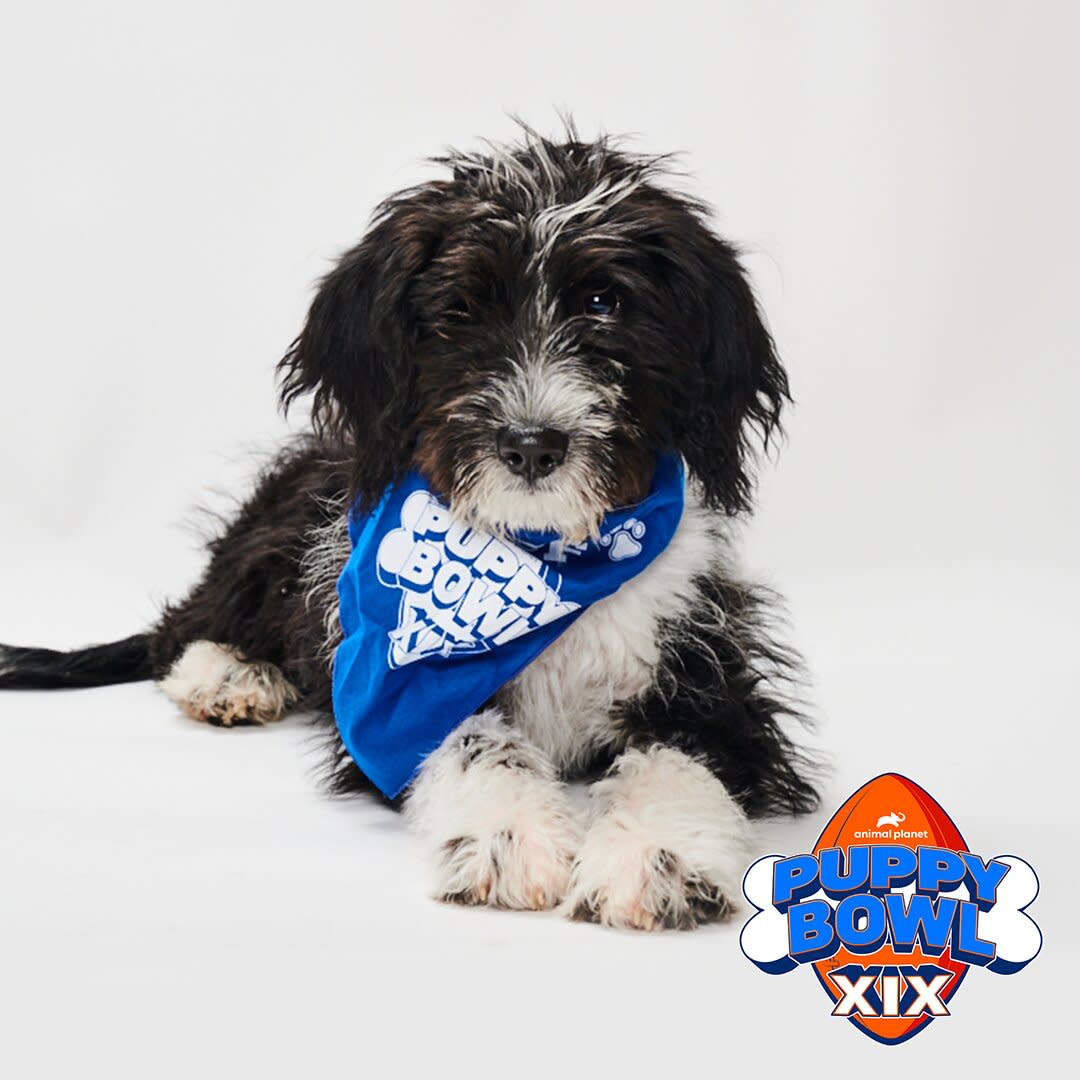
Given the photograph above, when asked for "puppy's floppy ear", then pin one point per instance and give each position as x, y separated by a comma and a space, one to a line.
355, 350
743, 386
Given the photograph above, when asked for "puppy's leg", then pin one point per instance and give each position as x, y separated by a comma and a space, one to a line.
217, 684
258, 601
498, 825
666, 845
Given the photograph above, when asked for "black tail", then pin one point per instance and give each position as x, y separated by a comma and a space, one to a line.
99, 665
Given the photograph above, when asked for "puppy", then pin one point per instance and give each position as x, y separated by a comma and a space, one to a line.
529, 332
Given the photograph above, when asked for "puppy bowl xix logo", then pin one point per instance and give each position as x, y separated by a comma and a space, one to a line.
891, 910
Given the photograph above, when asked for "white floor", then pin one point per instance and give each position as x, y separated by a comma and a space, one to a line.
182, 900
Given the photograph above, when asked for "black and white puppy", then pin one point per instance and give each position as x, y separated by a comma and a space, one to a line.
528, 332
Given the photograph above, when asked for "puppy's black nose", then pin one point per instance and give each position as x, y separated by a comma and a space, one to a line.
532, 452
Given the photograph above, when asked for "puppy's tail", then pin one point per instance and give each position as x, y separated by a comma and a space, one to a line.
100, 665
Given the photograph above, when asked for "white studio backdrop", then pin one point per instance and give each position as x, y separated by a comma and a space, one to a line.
903, 179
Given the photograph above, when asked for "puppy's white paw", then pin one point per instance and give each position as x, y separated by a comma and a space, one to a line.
500, 829
666, 847
215, 684
524, 865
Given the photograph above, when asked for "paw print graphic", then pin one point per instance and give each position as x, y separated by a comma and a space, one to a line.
622, 543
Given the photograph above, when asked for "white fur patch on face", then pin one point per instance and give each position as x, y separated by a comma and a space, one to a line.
564, 503
554, 391
666, 845
534, 179
547, 391
590, 209
214, 683
499, 829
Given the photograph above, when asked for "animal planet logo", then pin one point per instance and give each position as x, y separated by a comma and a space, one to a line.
891, 915
464, 590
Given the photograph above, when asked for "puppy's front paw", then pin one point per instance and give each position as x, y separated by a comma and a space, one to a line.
524, 865
622, 882
500, 828
665, 849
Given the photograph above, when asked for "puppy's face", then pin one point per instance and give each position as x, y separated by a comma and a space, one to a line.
531, 333
538, 335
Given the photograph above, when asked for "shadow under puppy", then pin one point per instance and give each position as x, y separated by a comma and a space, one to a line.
541, 345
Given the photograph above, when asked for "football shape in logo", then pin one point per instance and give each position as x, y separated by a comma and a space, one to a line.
919, 821
890, 909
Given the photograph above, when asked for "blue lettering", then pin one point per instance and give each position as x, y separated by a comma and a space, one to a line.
891, 866
967, 946
834, 880
794, 878
861, 923
810, 932
920, 919
939, 870
983, 879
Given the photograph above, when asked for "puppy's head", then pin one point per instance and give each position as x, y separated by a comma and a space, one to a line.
530, 331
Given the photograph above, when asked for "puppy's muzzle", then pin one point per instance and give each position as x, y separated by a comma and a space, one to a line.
532, 453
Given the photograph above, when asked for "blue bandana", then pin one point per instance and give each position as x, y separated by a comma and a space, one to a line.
437, 616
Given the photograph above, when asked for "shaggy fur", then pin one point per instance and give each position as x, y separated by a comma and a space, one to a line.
550, 294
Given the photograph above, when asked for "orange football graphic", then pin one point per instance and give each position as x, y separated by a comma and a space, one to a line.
895, 810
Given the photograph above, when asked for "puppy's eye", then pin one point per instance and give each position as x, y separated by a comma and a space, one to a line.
601, 302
